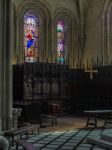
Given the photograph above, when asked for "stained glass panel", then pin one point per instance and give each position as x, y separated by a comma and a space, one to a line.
60, 42
31, 37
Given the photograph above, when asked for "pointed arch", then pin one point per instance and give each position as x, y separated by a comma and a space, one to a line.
68, 20
109, 34
42, 12
106, 23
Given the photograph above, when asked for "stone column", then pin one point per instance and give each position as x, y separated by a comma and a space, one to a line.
5, 64
81, 9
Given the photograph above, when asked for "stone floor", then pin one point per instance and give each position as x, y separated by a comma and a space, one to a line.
69, 134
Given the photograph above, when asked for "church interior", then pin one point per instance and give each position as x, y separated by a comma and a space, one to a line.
56, 74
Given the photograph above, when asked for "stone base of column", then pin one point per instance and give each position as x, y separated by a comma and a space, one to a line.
0, 124
6, 123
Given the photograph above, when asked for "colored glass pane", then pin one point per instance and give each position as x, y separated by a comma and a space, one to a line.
31, 37
60, 42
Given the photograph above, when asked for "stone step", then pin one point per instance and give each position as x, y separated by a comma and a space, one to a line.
100, 142
106, 137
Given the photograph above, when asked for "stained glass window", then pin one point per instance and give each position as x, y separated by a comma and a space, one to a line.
31, 37
60, 42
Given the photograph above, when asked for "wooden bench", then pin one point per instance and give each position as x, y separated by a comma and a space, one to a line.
25, 145
21, 131
100, 142
48, 118
93, 114
106, 137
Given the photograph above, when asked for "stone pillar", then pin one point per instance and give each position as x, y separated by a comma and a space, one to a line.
81, 10
5, 64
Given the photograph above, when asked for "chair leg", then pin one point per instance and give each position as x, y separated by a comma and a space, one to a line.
16, 146
12, 140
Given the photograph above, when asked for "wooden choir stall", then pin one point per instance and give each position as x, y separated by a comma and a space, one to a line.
39, 88
50, 88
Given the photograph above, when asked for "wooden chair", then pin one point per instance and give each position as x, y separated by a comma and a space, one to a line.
48, 118
21, 131
25, 145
